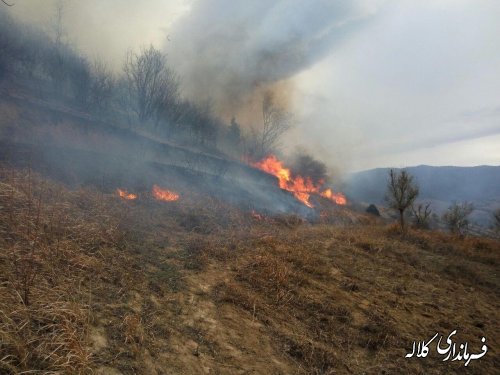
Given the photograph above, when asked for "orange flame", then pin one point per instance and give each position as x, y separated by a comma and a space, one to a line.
301, 187
256, 215
338, 198
126, 195
164, 195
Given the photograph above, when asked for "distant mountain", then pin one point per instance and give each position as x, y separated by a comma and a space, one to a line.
439, 185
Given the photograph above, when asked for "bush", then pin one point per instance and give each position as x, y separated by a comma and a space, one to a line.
421, 215
496, 219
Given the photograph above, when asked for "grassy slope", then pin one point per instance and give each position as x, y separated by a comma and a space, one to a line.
196, 287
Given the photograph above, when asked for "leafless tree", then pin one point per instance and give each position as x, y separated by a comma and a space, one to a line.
401, 193
496, 219
275, 122
57, 23
457, 217
152, 85
421, 214
101, 86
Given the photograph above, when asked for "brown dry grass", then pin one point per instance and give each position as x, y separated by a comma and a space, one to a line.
50, 240
91, 283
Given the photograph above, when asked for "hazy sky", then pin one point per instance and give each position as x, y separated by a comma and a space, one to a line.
372, 83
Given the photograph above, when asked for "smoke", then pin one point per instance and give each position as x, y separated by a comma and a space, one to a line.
304, 164
230, 52
103, 29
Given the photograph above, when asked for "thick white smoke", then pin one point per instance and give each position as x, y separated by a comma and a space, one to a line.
228, 50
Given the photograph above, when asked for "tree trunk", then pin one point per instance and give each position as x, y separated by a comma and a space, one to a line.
402, 220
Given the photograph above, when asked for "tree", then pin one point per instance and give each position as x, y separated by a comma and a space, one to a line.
152, 85
198, 122
275, 122
232, 138
234, 133
496, 219
102, 85
421, 214
401, 193
57, 23
456, 217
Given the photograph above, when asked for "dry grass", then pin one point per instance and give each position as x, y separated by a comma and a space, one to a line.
50, 239
354, 298
90, 283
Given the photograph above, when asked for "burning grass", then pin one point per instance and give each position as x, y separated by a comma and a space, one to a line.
126, 195
92, 283
164, 194
300, 187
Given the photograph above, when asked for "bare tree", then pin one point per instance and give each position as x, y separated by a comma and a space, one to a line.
457, 217
421, 214
57, 23
152, 85
234, 132
401, 193
101, 86
201, 122
496, 219
275, 122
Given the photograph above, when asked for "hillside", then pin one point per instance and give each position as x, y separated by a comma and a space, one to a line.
151, 223
440, 185
57, 139
92, 283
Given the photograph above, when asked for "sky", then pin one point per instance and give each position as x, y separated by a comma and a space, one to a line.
375, 83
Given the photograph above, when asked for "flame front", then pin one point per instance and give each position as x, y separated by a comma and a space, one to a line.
256, 215
301, 187
164, 194
126, 195
338, 198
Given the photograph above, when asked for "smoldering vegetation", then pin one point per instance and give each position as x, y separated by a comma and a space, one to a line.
76, 120
305, 164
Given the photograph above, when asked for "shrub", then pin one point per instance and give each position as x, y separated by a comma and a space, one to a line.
421, 215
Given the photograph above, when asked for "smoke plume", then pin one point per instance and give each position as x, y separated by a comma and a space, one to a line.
230, 52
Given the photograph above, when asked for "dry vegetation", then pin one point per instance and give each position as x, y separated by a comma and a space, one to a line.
90, 283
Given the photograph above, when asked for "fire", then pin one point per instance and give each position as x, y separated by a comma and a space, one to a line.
256, 215
164, 195
126, 195
301, 187
338, 198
